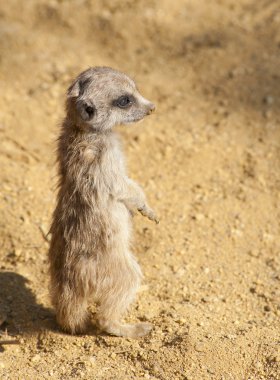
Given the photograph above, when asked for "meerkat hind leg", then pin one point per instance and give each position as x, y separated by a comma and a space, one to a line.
109, 320
71, 310
114, 302
136, 330
70, 295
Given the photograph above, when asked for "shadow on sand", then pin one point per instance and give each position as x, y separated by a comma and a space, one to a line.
19, 311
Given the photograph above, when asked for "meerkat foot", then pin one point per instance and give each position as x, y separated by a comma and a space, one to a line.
73, 324
136, 330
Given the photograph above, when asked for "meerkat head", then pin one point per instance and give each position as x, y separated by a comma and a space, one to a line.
101, 98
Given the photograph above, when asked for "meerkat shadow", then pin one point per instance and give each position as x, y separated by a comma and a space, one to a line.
19, 311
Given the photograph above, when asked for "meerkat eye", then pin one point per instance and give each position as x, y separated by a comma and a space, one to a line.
124, 101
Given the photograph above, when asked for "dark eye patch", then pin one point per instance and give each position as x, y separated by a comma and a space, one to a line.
86, 110
124, 101
90, 111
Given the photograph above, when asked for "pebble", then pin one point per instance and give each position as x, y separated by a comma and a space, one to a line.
35, 358
18, 252
199, 217
181, 321
167, 151
236, 232
133, 355
154, 348
92, 360
106, 14
269, 100
205, 299
268, 237
45, 86
230, 336
254, 253
80, 373
238, 71
142, 355
199, 347
259, 365
273, 358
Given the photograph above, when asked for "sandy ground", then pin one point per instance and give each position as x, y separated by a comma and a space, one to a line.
208, 160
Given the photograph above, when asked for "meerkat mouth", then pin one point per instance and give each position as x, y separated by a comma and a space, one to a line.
133, 121
139, 120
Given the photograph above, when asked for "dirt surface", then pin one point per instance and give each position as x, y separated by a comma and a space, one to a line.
208, 160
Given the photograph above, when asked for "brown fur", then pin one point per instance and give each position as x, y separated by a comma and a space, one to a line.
90, 258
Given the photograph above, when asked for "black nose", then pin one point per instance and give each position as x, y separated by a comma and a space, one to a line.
152, 108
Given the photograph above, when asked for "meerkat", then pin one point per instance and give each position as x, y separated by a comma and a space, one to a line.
89, 256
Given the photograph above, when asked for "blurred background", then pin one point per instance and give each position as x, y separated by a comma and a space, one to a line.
208, 161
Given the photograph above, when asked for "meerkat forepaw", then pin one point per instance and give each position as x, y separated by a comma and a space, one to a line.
155, 219
149, 213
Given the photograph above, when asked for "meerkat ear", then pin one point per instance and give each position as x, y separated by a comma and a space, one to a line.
73, 90
86, 110
77, 88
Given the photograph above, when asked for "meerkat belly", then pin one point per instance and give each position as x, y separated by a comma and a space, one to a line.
119, 226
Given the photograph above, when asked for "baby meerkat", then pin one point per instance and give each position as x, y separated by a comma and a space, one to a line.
89, 256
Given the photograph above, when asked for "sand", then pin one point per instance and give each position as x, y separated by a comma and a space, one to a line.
208, 160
